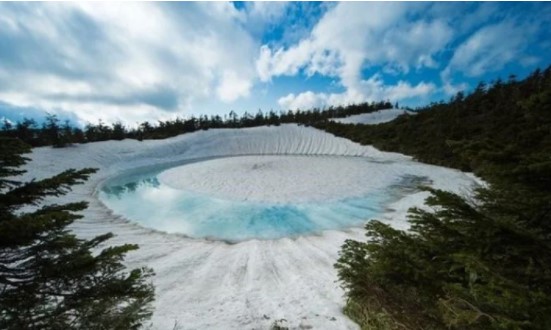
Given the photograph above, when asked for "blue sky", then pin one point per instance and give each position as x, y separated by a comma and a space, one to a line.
148, 61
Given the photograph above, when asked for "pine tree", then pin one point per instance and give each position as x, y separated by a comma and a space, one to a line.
482, 263
463, 265
52, 131
49, 278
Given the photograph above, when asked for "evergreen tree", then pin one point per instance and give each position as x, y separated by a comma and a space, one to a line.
52, 131
480, 263
118, 131
462, 266
49, 278
67, 137
7, 125
25, 130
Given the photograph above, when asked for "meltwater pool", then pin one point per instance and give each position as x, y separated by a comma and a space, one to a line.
221, 210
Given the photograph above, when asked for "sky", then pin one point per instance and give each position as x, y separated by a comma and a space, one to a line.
133, 62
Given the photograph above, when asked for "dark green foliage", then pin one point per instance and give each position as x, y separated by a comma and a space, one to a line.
52, 134
49, 279
496, 125
460, 266
483, 263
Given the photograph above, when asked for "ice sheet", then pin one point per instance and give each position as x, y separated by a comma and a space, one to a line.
284, 179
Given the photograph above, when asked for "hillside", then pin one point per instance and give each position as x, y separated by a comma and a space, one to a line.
481, 263
504, 125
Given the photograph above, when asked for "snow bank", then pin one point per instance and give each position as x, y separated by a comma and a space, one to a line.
377, 117
284, 179
202, 284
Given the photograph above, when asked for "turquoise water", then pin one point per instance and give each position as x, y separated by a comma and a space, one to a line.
146, 201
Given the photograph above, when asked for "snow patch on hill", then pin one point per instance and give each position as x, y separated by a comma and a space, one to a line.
373, 118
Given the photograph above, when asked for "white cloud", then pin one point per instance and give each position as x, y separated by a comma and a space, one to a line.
487, 50
353, 36
303, 101
372, 89
232, 87
138, 61
259, 16
124, 59
452, 89
282, 62
404, 90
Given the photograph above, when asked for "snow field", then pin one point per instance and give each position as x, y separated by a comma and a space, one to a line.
373, 118
206, 284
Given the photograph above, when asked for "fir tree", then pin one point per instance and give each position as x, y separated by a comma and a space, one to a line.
52, 131
49, 278
480, 263
463, 265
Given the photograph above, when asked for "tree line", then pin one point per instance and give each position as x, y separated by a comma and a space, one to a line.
481, 262
53, 132
467, 263
51, 279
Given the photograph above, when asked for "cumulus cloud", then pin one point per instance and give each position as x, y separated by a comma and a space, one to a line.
281, 23
303, 101
259, 16
400, 39
14, 114
369, 90
233, 86
128, 61
351, 37
512, 36
486, 50
147, 61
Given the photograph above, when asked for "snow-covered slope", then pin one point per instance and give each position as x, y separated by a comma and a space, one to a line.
377, 117
203, 284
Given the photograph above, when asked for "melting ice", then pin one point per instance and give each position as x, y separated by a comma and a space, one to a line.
143, 199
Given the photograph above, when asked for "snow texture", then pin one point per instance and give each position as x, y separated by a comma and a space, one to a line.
373, 118
206, 284
284, 179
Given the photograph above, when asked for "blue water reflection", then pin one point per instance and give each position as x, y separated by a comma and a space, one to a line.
143, 199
